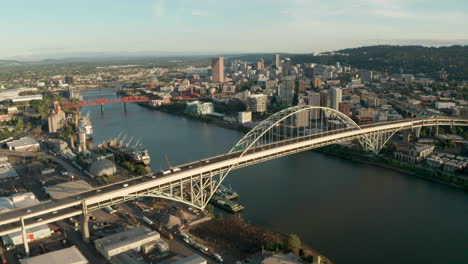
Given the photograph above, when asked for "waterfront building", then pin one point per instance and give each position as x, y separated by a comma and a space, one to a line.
56, 120
245, 117
217, 70
413, 153
335, 97
199, 108
258, 103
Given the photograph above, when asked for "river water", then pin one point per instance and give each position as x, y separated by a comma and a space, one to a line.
350, 212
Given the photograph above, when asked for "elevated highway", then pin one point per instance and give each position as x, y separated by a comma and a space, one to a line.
194, 183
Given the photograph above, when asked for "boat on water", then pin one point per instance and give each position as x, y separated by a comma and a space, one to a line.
133, 153
226, 192
85, 125
226, 204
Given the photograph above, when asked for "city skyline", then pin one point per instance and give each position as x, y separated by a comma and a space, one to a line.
54, 29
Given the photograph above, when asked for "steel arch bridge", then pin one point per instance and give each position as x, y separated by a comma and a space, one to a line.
295, 129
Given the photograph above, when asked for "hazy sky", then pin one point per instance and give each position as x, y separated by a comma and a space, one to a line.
55, 28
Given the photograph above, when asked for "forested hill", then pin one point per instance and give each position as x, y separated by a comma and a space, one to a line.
411, 59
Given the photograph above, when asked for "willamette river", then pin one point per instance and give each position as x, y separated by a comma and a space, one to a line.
350, 212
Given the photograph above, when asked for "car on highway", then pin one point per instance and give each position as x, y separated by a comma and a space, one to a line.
125, 185
39, 220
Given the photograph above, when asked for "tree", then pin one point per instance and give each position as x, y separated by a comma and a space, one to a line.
210, 209
294, 243
19, 125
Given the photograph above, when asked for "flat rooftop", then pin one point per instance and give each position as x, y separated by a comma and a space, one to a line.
68, 255
68, 188
194, 259
126, 237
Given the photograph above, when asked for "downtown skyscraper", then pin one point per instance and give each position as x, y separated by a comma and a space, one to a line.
217, 70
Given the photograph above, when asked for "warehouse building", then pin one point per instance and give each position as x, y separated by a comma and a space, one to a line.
131, 239
7, 173
20, 200
68, 255
24, 144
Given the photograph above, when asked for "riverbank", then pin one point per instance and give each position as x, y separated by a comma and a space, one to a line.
237, 239
391, 164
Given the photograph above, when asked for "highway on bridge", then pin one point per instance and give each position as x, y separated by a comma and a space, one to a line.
77, 204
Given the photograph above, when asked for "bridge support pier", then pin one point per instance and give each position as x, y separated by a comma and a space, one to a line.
102, 108
406, 136
125, 106
417, 132
85, 223
25, 239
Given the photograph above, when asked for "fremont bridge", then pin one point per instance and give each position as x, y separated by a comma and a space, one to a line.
292, 130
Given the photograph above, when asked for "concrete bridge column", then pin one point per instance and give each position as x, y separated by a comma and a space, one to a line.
25, 239
406, 136
417, 132
85, 223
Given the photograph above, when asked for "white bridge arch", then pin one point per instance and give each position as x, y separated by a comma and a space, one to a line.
293, 130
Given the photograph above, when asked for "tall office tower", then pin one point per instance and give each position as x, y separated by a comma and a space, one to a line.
276, 61
314, 99
217, 70
335, 95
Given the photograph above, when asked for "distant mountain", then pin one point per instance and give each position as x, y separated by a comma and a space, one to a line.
411, 59
9, 63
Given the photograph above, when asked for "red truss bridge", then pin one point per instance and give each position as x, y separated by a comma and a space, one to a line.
103, 101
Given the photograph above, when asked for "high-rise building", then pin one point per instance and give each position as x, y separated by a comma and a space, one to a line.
276, 61
335, 95
314, 100
217, 70
324, 98
258, 102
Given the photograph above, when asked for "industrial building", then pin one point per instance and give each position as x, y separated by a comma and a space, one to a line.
131, 239
26, 98
57, 119
103, 167
68, 255
7, 172
67, 188
24, 144
20, 200
193, 259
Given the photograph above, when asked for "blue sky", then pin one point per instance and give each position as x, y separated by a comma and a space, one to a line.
53, 28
